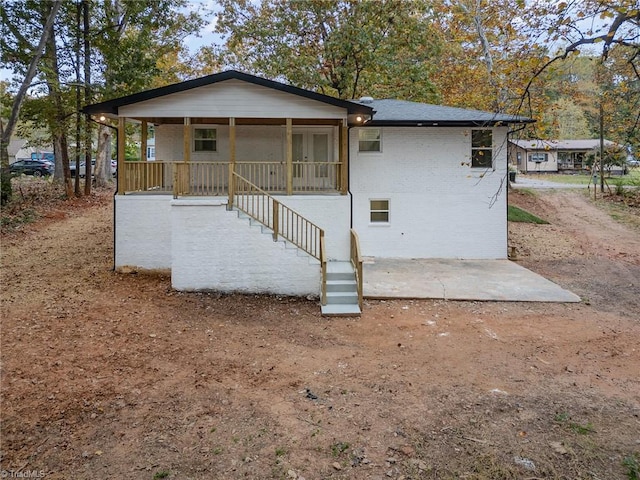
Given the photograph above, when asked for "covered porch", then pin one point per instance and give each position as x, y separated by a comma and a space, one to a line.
218, 156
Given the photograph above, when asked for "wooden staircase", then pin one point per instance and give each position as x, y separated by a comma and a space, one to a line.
341, 293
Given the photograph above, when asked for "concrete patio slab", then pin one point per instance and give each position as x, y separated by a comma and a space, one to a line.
501, 280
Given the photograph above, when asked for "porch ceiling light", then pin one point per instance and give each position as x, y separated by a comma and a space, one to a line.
102, 118
359, 118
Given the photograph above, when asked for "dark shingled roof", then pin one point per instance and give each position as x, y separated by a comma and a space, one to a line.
385, 112
403, 113
579, 144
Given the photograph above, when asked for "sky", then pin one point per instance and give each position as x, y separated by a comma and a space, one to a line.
207, 37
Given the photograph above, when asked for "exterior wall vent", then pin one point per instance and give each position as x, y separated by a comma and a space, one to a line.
366, 99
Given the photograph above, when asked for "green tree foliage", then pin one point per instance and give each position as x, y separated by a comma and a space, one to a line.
567, 121
132, 42
138, 43
487, 58
25, 57
344, 48
598, 56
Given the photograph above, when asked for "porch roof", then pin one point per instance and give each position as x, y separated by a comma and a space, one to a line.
111, 106
389, 112
574, 145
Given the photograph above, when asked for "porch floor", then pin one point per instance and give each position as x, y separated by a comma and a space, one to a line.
486, 280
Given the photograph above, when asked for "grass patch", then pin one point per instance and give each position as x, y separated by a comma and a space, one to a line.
632, 467
339, 448
580, 429
631, 179
515, 214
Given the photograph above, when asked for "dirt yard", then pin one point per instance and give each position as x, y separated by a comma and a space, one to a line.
112, 376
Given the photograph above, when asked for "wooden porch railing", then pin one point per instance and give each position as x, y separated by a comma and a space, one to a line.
200, 178
282, 220
356, 262
148, 176
212, 178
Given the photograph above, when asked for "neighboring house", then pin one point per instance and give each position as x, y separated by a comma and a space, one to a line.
18, 150
151, 148
242, 161
544, 156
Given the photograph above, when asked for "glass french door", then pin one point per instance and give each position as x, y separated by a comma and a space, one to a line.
311, 157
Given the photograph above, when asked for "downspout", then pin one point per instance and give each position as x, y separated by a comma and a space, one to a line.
349, 175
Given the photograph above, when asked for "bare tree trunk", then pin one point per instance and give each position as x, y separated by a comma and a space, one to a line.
87, 97
59, 128
76, 180
6, 132
103, 157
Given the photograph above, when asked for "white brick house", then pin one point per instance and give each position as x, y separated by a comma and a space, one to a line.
242, 161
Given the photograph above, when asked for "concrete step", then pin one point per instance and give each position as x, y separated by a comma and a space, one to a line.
342, 286
340, 271
342, 298
338, 310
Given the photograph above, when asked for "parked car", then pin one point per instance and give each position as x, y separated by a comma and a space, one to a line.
632, 162
83, 168
37, 168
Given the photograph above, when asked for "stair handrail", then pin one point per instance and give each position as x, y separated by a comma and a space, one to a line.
356, 262
282, 220
323, 270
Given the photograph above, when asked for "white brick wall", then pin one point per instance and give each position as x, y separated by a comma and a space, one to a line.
143, 231
214, 249
253, 143
439, 206
208, 247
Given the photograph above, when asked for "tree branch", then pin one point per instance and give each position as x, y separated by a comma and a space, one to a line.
31, 72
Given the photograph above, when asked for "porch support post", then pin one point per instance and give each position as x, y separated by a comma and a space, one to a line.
289, 156
344, 157
121, 153
232, 161
186, 156
183, 175
143, 154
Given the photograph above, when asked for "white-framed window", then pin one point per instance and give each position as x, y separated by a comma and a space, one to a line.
369, 140
205, 139
538, 157
379, 210
481, 148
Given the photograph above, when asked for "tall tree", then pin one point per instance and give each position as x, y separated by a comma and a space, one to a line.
130, 39
488, 57
344, 48
35, 56
136, 43
604, 28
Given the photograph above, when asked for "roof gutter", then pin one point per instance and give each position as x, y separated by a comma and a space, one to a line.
445, 123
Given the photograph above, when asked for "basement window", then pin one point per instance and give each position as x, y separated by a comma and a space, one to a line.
369, 140
379, 211
204, 140
481, 148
